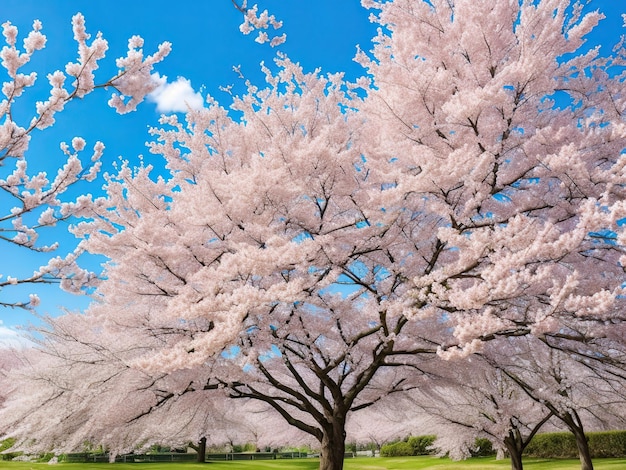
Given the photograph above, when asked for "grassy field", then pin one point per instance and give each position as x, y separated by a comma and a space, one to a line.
397, 463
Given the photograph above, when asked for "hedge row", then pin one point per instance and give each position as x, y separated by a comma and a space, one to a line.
563, 445
606, 444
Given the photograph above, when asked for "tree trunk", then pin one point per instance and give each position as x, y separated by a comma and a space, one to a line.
200, 449
333, 446
515, 447
516, 458
575, 425
515, 442
583, 449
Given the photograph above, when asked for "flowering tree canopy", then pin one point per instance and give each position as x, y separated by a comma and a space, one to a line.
75, 390
579, 392
471, 400
314, 247
508, 140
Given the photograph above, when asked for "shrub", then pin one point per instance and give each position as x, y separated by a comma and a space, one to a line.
397, 449
482, 448
45, 457
6, 445
422, 445
412, 445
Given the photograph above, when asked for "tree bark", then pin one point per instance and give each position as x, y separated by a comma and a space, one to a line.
516, 460
333, 446
515, 453
583, 451
516, 443
200, 449
575, 425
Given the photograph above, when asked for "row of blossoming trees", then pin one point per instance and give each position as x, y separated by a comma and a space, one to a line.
447, 229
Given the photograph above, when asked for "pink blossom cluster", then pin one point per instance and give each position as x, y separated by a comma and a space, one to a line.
252, 20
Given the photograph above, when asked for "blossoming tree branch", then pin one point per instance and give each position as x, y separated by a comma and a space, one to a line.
36, 200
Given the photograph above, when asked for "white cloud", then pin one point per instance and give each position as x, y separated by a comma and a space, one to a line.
11, 339
175, 97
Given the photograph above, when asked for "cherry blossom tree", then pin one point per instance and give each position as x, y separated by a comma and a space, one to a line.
257, 423
76, 386
310, 336
513, 137
313, 247
578, 393
33, 201
471, 399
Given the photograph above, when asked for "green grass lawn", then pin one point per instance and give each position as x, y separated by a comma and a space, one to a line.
364, 463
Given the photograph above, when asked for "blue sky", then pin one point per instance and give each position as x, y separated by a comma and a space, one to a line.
206, 45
